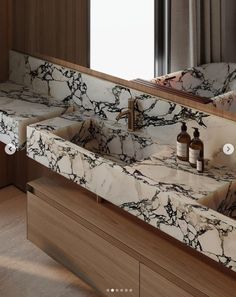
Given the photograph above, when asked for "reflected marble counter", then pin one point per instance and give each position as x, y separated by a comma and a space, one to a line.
156, 188
214, 80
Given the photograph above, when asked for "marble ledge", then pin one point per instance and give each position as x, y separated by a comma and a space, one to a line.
19, 107
163, 192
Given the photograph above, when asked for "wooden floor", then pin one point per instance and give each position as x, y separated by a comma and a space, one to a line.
25, 271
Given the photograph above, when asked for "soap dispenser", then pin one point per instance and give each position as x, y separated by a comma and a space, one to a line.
200, 164
183, 141
196, 148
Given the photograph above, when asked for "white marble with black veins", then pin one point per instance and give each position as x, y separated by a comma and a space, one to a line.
89, 93
89, 148
226, 206
106, 159
106, 100
19, 107
214, 80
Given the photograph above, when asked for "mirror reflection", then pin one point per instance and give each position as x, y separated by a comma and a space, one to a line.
188, 45
122, 37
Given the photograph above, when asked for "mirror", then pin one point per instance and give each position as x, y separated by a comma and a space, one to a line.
122, 37
191, 41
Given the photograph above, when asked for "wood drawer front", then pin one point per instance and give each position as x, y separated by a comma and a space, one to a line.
82, 251
153, 284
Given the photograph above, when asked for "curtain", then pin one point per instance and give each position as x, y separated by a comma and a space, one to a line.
202, 31
229, 29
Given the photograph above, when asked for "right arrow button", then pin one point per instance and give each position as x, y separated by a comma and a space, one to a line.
228, 149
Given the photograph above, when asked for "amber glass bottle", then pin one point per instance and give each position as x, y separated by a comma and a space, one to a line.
196, 149
183, 141
200, 164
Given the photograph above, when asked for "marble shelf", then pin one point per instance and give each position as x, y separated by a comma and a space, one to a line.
157, 188
19, 107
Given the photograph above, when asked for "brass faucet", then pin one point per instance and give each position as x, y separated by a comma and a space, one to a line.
130, 113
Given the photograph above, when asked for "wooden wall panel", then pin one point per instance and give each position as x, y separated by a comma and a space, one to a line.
57, 28
4, 39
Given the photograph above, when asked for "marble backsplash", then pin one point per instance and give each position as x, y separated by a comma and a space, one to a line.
156, 116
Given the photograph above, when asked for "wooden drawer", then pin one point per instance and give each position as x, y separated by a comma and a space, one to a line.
153, 284
91, 257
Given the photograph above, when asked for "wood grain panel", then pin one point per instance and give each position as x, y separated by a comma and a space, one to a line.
175, 262
194, 98
57, 28
4, 39
18, 24
103, 265
18, 169
153, 284
24, 169
25, 271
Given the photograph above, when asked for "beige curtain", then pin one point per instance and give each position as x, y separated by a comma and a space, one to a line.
202, 31
229, 30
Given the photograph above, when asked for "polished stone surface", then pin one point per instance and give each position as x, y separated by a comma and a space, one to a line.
155, 116
19, 107
137, 173
214, 80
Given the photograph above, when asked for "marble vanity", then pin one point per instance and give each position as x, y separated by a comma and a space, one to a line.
23, 102
136, 171
106, 159
71, 129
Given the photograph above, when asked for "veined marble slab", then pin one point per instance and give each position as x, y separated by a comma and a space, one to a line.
209, 80
155, 116
19, 107
215, 80
138, 171
226, 101
142, 176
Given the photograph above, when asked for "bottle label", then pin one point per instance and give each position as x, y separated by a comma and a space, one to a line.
199, 166
193, 155
182, 149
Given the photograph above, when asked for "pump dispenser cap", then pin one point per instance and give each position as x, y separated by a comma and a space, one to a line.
184, 127
196, 132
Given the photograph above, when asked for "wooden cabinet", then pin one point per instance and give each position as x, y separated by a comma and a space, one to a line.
18, 169
113, 250
104, 266
153, 284
5, 167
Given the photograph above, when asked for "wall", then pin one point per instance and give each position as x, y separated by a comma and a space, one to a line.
57, 28
4, 40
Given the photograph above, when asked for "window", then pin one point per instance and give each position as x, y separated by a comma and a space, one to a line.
122, 37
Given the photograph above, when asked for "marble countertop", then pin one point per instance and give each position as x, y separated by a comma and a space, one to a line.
166, 193
138, 171
20, 107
